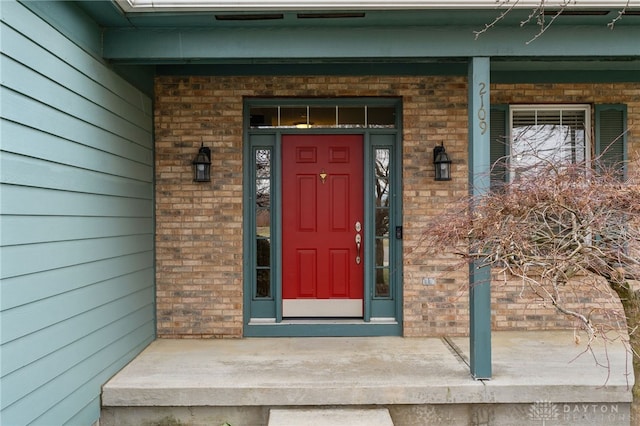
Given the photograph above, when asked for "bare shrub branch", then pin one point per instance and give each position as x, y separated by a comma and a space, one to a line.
498, 18
538, 16
619, 16
566, 223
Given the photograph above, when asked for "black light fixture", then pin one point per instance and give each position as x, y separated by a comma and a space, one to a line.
202, 165
442, 163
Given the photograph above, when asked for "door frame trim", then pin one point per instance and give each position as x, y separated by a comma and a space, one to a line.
263, 317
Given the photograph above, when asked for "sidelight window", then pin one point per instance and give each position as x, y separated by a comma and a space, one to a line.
381, 196
263, 208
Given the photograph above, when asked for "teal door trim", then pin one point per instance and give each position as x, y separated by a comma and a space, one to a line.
263, 315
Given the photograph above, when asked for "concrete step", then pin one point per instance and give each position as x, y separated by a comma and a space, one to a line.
329, 417
421, 381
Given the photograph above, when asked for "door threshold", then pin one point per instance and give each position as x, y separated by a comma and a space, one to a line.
322, 327
322, 308
321, 321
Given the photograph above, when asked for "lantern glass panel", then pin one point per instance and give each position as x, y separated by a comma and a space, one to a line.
202, 167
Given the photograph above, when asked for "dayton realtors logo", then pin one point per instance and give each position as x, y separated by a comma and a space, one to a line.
547, 413
544, 411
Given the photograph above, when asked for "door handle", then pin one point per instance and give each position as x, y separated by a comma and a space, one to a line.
358, 227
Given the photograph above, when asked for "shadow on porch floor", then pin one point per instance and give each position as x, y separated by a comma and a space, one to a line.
536, 377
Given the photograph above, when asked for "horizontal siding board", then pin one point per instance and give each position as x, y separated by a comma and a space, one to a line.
77, 231
25, 22
37, 345
22, 50
141, 338
28, 141
38, 315
27, 171
48, 256
86, 415
35, 86
16, 230
30, 288
21, 383
54, 392
94, 386
18, 200
30, 113
34, 346
72, 22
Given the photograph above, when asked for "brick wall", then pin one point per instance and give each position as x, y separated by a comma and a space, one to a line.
515, 307
199, 226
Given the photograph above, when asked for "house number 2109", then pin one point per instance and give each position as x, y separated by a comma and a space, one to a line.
482, 112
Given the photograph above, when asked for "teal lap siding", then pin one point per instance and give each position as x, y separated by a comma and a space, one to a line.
77, 228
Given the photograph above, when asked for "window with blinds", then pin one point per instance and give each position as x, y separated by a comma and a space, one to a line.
544, 134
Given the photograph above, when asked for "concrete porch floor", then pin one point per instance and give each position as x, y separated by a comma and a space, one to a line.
420, 380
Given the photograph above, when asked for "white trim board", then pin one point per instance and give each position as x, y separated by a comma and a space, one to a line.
252, 5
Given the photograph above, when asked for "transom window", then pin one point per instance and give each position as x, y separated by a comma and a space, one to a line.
321, 116
543, 134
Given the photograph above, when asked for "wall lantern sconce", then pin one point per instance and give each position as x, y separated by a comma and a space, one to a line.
202, 165
442, 163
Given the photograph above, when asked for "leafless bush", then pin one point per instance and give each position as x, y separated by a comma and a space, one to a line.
563, 229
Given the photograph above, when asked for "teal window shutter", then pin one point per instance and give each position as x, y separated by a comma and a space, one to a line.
611, 138
499, 145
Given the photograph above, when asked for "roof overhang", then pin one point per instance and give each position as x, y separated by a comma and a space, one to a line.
249, 5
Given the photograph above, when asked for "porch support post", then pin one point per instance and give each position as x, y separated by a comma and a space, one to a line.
479, 277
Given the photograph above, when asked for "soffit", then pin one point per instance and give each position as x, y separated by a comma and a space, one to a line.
109, 14
135, 37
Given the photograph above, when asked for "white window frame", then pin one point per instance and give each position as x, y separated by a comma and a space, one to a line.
552, 107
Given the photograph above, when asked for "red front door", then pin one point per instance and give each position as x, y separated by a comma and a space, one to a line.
322, 219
